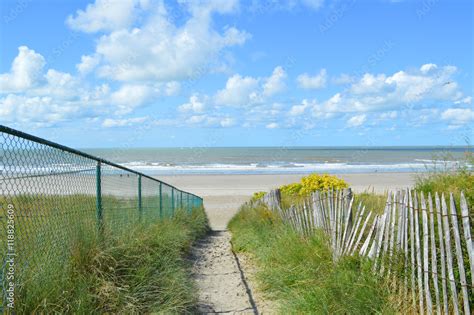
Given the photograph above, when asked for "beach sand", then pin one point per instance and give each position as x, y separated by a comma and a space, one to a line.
223, 194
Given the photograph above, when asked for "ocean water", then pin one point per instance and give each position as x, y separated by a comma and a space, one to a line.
293, 160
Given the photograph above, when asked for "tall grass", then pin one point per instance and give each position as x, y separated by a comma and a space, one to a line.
142, 271
443, 179
300, 274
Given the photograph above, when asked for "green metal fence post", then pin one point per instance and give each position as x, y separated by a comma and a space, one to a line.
172, 201
181, 199
140, 209
100, 219
161, 201
187, 203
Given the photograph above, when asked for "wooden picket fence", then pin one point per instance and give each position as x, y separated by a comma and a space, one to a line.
423, 245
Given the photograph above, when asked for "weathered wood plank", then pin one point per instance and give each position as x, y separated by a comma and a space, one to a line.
426, 270
449, 256
459, 256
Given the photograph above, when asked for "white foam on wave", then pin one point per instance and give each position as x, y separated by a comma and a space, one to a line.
279, 167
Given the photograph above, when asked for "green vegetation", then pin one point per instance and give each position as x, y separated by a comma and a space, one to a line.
446, 180
135, 266
299, 273
257, 195
312, 183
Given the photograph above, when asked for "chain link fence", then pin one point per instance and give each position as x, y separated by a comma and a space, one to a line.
52, 196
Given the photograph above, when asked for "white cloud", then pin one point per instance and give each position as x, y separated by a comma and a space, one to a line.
318, 81
272, 125
104, 15
466, 100
238, 91
297, 110
26, 71
402, 90
388, 115
275, 83
130, 96
458, 116
162, 51
88, 63
211, 121
370, 83
242, 91
227, 122
172, 88
428, 67
356, 121
110, 122
194, 105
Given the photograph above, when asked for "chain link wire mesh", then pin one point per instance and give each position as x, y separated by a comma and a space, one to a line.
52, 196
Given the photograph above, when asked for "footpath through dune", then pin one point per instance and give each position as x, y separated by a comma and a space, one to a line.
219, 277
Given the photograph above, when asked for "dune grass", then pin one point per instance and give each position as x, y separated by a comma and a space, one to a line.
299, 274
141, 271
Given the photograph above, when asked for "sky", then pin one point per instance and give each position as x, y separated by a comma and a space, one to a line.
150, 73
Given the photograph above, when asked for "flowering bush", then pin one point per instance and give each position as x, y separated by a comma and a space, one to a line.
291, 189
258, 195
312, 183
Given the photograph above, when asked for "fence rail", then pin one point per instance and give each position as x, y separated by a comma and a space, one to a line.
425, 248
51, 195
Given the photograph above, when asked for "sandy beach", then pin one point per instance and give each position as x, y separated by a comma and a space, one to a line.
223, 194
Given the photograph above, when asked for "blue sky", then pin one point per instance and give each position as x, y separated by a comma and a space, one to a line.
109, 73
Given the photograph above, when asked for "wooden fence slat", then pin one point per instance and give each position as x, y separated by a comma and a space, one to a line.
412, 248
418, 255
467, 235
449, 257
434, 258
360, 214
365, 246
459, 256
393, 223
426, 270
361, 234
405, 240
347, 224
442, 254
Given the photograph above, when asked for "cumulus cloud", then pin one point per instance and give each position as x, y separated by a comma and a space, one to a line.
194, 105
401, 90
242, 91
88, 63
26, 71
297, 110
104, 15
238, 91
272, 125
458, 116
162, 51
110, 122
275, 83
428, 67
318, 81
211, 121
32, 94
357, 120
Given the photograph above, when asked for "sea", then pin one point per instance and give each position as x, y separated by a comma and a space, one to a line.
285, 160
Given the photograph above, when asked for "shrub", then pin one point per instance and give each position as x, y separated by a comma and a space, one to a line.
312, 183
258, 195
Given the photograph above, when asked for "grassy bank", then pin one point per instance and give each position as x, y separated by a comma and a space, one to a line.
138, 272
300, 273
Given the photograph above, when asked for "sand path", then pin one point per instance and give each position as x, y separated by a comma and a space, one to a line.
219, 277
